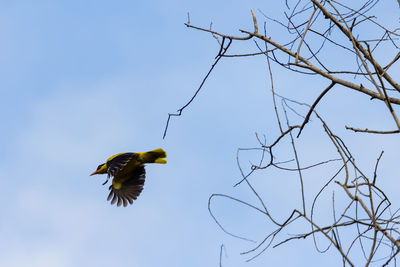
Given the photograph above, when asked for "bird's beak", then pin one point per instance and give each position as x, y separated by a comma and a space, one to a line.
95, 172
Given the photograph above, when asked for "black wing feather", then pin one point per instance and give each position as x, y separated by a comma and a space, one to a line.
118, 163
130, 189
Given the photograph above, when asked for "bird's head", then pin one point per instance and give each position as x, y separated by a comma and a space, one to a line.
101, 169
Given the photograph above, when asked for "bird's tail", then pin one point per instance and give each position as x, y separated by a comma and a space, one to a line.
154, 156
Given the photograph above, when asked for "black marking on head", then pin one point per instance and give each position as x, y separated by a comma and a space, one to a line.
101, 165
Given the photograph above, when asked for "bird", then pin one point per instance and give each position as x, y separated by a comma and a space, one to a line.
128, 173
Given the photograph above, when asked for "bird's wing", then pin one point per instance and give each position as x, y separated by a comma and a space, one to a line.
130, 189
118, 162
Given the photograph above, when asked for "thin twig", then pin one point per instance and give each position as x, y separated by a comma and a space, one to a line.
313, 106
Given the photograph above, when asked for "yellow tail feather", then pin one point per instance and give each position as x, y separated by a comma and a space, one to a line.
161, 153
161, 161
154, 156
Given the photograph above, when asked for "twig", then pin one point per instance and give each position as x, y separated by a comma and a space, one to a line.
220, 54
313, 106
357, 130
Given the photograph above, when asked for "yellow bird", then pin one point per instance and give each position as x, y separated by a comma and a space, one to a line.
127, 170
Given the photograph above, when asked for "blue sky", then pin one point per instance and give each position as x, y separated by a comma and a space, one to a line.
81, 81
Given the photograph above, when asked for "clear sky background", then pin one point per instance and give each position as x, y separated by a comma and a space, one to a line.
83, 80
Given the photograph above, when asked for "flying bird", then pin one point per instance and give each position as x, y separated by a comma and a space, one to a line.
127, 170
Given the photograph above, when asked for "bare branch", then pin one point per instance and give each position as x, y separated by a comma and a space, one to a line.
312, 27
313, 106
371, 131
220, 54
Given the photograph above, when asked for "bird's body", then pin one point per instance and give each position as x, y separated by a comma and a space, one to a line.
127, 170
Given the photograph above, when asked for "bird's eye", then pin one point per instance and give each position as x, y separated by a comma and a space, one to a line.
101, 165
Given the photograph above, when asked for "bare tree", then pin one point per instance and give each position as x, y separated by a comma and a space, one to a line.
314, 30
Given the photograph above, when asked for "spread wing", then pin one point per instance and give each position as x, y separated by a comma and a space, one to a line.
130, 189
118, 163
